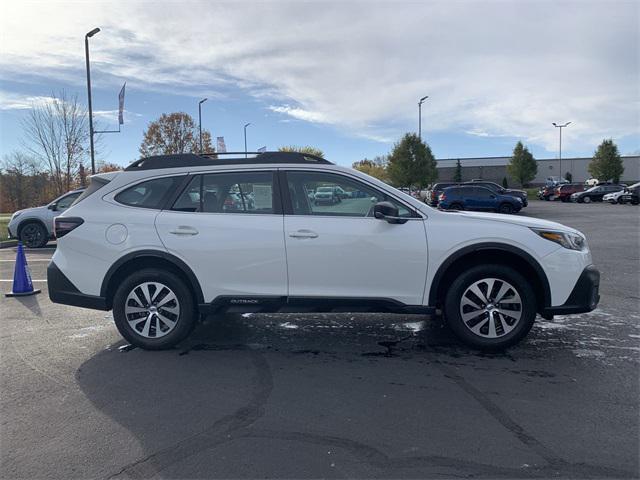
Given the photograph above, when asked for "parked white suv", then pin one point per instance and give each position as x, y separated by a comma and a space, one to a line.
34, 226
167, 239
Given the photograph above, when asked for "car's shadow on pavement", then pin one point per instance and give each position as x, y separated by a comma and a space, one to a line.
316, 396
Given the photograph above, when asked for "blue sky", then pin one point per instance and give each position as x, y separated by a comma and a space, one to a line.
344, 77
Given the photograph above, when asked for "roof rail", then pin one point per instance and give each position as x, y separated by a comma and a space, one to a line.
213, 158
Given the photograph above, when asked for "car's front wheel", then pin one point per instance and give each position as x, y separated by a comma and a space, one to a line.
33, 235
505, 208
490, 307
153, 309
586, 199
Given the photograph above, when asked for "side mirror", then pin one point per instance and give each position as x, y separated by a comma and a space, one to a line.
387, 211
52, 206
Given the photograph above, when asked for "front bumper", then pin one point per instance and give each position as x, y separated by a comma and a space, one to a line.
61, 290
583, 298
12, 233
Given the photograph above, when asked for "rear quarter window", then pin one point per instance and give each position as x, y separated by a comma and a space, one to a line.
149, 194
95, 184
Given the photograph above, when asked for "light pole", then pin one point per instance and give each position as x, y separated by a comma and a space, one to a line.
86, 54
245, 139
420, 115
560, 154
200, 120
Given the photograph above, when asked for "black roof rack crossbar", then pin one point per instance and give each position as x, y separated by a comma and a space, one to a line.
213, 158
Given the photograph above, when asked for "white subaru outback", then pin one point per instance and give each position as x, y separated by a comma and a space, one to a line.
171, 237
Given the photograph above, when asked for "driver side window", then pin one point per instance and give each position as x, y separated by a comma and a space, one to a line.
66, 202
327, 194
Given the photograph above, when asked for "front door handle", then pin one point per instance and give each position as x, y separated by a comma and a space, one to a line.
303, 234
184, 230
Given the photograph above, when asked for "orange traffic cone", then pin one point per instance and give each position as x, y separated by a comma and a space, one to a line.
22, 284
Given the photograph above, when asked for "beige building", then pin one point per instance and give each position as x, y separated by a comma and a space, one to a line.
495, 169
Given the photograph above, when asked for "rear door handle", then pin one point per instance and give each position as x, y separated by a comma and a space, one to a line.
303, 234
184, 230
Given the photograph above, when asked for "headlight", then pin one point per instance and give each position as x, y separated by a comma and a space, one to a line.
571, 241
15, 215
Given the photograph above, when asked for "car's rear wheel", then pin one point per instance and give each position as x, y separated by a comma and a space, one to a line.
490, 307
586, 199
33, 235
505, 208
153, 309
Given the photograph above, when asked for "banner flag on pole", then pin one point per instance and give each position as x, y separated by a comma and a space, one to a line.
262, 149
121, 105
222, 148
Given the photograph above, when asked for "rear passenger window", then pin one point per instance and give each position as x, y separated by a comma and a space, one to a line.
149, 194
228, 193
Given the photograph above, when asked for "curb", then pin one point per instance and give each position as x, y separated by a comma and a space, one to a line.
8, 243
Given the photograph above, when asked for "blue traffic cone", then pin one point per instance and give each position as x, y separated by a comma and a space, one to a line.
22, 284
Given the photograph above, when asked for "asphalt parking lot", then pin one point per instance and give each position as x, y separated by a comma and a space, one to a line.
309, 396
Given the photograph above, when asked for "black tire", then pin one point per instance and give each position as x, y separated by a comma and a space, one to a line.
186, 320
33, 235
503, 273
505, 208
586, 199
456, 206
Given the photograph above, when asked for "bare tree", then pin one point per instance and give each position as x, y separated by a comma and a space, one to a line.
57, 132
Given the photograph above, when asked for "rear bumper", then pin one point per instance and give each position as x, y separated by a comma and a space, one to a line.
583, 298
61, 290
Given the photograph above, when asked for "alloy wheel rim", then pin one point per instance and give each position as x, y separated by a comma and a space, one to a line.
152, 310
491, 308
31, 235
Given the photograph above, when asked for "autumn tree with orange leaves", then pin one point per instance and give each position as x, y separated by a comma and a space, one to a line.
174, 133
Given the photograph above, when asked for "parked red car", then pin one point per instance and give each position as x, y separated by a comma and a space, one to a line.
564, 192
546, 192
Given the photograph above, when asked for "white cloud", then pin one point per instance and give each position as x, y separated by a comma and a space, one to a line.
489, 68
15, 101
299, 113
112, 115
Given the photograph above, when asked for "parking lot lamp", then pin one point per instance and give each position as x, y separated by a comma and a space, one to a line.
245, 139
420, 115
560, 152
86, 54
200, 120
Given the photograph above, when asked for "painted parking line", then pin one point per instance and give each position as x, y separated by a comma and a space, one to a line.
33, 280
29, 260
